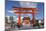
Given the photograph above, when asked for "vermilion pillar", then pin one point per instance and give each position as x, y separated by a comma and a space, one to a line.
19, 19
33, 15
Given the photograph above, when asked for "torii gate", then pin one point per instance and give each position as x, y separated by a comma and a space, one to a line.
20, 11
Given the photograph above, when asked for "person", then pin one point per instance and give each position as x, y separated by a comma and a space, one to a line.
26, 20
36, 25
26, 23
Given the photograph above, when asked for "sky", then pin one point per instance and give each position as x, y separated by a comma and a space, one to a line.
10, 4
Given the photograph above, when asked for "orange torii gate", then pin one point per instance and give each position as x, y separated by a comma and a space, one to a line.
20, 11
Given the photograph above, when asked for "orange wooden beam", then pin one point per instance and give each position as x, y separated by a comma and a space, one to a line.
25, 8
26, 12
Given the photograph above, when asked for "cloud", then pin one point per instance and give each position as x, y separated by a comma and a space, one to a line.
28, 4
10, 11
